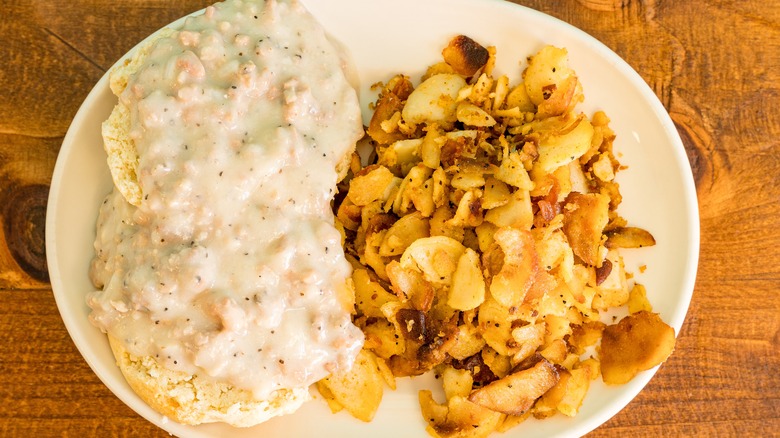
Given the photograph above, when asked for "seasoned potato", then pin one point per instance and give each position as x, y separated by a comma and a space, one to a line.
584, 219
359, 390
465, 55
403, 233
517, 392
547, 73
629, 237
434, 101
638, 342
458, 418
436, 257
510, 284
468, 285
486, 246
370, 186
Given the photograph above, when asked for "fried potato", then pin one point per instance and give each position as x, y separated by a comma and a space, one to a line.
569, 139
629, 237
486, 246
517, 392
548, 74
510, 284
637, 343
459, 418
469, 342
516, 212
434, 101
465, 55
456, 383
391, 101
637, 300
566, 396
360, 390
403, 233
584, 219
436, 257
468, 285
370, 186
369, 294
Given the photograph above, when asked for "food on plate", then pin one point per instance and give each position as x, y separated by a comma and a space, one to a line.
486, 244
223, 286
358, 390
638, 342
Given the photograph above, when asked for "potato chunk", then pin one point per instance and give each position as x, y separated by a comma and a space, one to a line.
517, 392
465, 55
434, 101
359, 391
637, 343
584, 219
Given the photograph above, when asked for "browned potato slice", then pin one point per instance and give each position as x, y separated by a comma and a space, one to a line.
629, 237
517, 212
517, 392
495, 325
496, 193
566, 396
576, 388
569, 138
560, 97
468, 285
436, 257
497, 363
359, 391
556, 352
409, 284
458, 418
513, 173
472, 115
585, 335
529, 338
327, 394
584, 219
382, 338
403, 232
638, 342
547, 405
520, 265
469, 342
434, 100
637, 300
390, 102
512, 421
369, 294
349, 215
367, 188
456, 382
465, 55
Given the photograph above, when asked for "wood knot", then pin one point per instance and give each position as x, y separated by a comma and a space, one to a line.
604, 5
698, 144
696, 157
24, 215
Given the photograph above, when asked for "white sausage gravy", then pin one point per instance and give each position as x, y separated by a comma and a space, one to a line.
231, 266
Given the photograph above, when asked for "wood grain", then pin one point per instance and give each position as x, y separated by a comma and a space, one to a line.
713, 64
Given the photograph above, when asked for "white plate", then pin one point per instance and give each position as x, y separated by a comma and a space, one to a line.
384, 38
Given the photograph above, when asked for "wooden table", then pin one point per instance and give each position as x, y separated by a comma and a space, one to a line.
715, 65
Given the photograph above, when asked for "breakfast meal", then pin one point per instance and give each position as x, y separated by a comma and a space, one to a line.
222, 283
247, 250
487, 248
